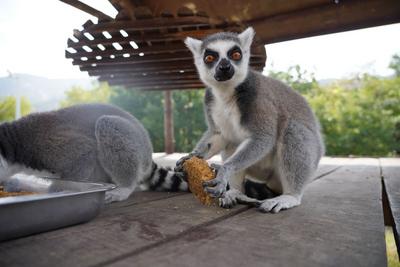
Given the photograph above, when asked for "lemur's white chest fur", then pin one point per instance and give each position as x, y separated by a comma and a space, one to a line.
226, 116
7, 170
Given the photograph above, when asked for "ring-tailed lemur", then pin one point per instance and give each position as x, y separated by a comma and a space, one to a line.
92, 142
263, 129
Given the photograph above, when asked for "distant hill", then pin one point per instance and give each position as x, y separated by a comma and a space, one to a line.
43, 93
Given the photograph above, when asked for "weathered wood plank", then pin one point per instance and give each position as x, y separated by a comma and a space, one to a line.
340, 223
154, 24
114, 234
325, 19
140, 197
391, 178
88, 9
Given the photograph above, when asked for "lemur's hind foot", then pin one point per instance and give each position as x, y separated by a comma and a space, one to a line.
279, 203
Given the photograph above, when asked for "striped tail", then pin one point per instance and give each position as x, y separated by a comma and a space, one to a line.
164, 179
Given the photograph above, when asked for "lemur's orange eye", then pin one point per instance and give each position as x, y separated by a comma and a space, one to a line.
209, 59
236, 55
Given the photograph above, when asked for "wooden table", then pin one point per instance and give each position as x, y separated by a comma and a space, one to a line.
340, 223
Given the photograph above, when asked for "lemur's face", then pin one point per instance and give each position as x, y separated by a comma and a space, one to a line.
222, 59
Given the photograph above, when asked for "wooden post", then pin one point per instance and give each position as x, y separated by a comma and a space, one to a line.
169, 139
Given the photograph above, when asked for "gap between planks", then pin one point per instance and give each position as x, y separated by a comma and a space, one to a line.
171, 238
339, 236
389, 170
330, 170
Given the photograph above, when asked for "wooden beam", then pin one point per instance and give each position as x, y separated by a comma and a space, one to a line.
155, 76
167, 87
169, 139
153, 67
152, 80
148, 69
326, 18
137, 71
134, 60
154, 24
152, 37
88, 9
151, 60
156, 49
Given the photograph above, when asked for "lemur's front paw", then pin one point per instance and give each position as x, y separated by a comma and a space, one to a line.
229, 199
215, 167
179, 163
216, 187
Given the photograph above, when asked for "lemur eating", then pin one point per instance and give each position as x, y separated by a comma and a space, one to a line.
91, 142
264, 130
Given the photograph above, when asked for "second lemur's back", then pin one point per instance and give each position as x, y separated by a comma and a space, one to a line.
38, 139
90, 142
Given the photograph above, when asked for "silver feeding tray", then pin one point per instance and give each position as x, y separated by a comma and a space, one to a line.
59, 203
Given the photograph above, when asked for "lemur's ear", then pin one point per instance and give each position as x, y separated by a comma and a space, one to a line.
194, 45
246, 37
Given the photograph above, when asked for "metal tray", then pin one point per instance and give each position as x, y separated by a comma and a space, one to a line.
59, 203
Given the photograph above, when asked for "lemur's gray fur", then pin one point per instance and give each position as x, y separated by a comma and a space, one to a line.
263, 129
92, 142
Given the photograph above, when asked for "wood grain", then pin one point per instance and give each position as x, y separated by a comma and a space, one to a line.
340, 223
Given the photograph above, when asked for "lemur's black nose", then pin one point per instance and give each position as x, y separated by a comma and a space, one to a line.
224, 65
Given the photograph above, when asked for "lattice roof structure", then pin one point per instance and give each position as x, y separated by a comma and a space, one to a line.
142, 48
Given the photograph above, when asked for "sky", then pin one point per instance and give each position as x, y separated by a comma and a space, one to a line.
33, 38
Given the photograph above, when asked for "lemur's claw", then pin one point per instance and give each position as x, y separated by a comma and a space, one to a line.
209, 183
215, 187
215, 167
179, 163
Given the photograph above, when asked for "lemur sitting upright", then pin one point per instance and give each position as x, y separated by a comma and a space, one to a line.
92, 142
263, 129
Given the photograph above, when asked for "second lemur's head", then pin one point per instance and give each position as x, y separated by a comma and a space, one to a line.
222, 59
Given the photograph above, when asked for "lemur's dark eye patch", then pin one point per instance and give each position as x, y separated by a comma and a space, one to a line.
210, 56
235, 53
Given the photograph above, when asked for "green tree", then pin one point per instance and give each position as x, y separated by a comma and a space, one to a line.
395, 64
359, 116
101, 93
300, 80
7, 108
147, 107
189, 123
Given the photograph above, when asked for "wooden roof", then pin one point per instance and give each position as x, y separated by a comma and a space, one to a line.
144, 47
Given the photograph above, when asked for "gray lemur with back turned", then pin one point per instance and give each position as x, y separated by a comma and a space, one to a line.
264, 130
92, 142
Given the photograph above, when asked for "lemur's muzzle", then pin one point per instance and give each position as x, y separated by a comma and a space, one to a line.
224, 70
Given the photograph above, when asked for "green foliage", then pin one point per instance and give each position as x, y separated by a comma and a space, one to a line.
359, 116
359, 120
300, 80
101, 93
395, 65
189, 123
7, 108
147, 107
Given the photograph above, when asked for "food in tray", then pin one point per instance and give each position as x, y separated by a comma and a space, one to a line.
4, 193
198, 171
